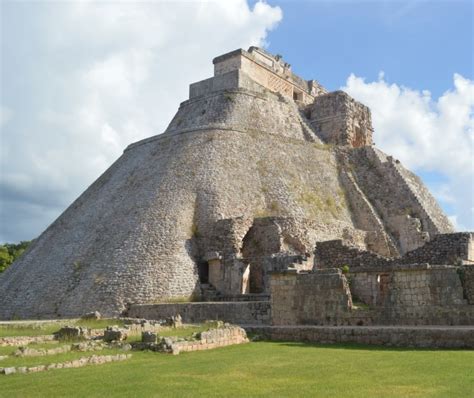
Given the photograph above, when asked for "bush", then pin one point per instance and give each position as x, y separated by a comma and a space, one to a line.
345, 269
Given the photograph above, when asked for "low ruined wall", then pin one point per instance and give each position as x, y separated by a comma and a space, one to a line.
417, 294
450, 249
392, 295
337, 253
249, 312
211, 339
401, 336
24, 340
443, 249
407, 286
316, 298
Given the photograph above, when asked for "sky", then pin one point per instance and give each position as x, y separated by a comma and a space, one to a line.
82, 80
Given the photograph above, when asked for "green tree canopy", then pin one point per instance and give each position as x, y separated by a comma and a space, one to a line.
9, 252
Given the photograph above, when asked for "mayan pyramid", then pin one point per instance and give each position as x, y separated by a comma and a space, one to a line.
255, 168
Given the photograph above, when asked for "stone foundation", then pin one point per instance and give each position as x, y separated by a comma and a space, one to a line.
213, 338
394, 336
76, 363
24, 340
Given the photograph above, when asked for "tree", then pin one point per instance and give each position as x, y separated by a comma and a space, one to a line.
9, 252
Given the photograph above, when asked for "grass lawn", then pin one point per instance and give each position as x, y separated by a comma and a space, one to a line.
262, 369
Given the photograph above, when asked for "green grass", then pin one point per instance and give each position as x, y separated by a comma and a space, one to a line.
37, 346
39, 329
263, 369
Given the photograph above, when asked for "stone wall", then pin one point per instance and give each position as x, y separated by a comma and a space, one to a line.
256, 312
390, 295
24, 340
338, 253
455, 248
227, 81
467, 279
443, 249
214, 338
316, 298
393, 336
406, 288
340, 120
241, 109
75, 363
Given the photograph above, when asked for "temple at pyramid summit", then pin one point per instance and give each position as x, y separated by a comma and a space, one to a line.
264, 196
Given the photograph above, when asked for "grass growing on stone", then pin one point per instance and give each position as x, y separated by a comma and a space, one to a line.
183, 332
8, 350
48, 359
263, 369
45, 328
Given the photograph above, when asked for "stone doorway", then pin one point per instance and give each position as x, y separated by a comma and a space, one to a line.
256, 279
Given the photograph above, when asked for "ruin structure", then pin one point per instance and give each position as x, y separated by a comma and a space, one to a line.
264, 184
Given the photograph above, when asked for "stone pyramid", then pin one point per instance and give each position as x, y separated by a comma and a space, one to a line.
254, 169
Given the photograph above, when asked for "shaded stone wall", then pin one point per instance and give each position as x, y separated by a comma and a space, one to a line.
340, 120
393, 336
338, 253
403, 288
467, 279
315, 298
256, 312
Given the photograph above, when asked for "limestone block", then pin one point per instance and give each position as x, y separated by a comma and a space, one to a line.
114, 333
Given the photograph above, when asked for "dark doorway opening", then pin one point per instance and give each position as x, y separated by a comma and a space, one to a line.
256, 282
203, 271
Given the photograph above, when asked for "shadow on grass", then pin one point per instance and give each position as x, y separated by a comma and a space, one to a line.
355, 346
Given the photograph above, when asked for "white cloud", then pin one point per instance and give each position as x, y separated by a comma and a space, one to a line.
85, 79
427, 135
